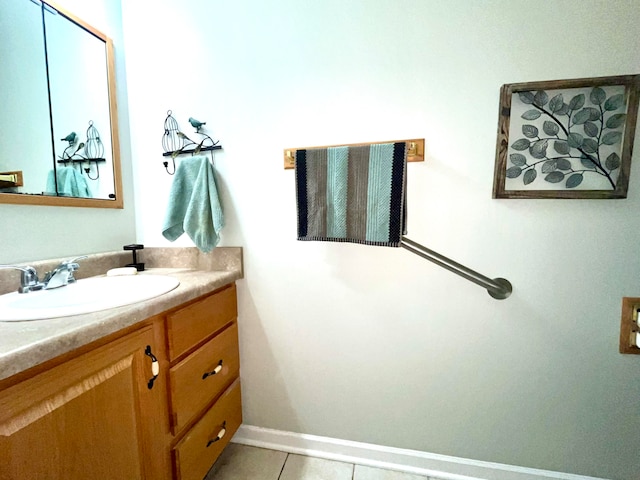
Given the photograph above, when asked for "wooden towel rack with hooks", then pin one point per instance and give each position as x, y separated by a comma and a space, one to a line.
415, 150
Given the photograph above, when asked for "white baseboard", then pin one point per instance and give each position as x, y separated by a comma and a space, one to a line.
411, 461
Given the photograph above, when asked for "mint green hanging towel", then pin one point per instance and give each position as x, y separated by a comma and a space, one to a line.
194, 206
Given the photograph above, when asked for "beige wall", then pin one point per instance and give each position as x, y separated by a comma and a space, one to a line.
38, 232
374, 344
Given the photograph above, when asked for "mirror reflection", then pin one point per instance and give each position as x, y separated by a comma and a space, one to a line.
58, 127
25, 139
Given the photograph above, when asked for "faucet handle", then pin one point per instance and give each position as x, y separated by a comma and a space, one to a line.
72, 266
74, 260
28, 278
65, 269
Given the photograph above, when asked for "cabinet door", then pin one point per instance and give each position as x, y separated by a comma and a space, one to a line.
91, 417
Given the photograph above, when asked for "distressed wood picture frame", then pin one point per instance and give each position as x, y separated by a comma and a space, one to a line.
566, 138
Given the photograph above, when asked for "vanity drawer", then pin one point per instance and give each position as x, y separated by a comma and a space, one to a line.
203, 375
190, 325
199, 449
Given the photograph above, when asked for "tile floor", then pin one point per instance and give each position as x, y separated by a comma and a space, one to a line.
240, 462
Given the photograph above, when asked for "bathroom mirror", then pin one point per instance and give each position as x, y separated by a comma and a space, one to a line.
57, 80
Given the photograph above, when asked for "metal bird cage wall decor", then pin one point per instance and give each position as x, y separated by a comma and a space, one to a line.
93, 150
175, 142
171, 141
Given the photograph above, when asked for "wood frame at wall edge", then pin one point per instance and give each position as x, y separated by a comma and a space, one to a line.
628, 326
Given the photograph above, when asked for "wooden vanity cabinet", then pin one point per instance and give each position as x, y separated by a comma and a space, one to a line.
90, 417
90, 413
204, 385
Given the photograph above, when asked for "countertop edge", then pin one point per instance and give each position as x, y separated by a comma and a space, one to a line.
27, 344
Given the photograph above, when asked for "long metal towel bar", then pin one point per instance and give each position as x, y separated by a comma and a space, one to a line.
498, 288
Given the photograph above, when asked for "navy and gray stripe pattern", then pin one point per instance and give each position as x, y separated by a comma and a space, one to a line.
352, 194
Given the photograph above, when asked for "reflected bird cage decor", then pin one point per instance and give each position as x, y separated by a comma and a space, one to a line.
175, 142
93, 150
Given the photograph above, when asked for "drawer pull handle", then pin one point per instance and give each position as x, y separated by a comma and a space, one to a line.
221, 433
155, 366
213, 372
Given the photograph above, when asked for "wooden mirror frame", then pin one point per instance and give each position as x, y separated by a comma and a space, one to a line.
51, 200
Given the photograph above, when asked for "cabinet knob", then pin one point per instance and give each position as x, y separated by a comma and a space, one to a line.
214, 371
221, 433
155, 366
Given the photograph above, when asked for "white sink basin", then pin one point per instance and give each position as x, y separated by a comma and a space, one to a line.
84, 296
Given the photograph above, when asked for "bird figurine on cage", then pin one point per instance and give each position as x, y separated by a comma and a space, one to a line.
69, 152
197, 124
71, 138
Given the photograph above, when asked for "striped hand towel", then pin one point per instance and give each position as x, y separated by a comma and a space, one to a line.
352, 194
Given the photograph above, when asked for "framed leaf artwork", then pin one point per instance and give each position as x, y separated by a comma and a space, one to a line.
566, 138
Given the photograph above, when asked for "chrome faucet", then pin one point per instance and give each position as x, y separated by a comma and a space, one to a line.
62, 275
58, 277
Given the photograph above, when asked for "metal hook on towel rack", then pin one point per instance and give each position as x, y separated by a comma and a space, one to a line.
498, 288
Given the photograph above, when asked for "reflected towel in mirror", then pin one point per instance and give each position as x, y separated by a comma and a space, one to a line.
194, 206
70, 183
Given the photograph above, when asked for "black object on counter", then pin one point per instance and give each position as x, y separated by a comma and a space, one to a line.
134, 247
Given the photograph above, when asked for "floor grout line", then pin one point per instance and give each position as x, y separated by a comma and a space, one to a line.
283, 464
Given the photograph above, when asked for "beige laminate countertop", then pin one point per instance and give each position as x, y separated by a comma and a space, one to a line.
29, 343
